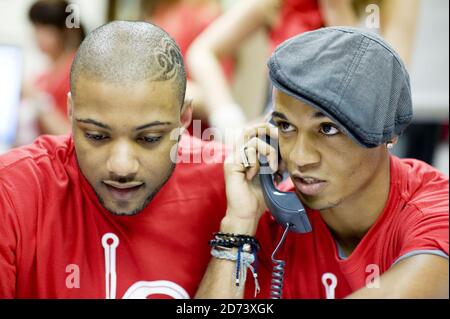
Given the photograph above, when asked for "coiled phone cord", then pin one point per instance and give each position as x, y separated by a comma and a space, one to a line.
276, 288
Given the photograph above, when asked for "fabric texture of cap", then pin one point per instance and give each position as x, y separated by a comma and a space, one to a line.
351, 76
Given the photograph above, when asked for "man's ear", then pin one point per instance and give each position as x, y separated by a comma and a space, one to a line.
186, 113
69, 106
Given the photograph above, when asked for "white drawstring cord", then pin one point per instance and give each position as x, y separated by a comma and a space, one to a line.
110, 264
329, 287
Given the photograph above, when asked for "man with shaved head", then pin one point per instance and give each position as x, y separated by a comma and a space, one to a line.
114, 210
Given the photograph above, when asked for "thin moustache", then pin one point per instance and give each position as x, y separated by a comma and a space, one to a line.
123, 185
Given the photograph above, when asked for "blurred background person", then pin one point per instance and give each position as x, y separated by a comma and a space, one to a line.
283, 19
44, 108
280, 19
184, 20
397, 20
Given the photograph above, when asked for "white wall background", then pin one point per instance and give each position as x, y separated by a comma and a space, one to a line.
430, 65
430, 71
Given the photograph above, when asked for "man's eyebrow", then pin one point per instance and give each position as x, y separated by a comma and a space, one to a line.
139, 128
155, 123
318, 115
280, 115
315, 115
94, 122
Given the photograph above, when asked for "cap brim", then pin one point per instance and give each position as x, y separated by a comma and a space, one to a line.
346, 129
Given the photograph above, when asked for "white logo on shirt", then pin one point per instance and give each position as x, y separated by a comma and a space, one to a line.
141, 289
144, 289
329, 281
373, 278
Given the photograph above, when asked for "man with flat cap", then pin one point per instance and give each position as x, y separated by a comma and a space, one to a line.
379, 224
123, 206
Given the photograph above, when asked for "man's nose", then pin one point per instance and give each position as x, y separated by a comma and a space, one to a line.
304, 154
123, 161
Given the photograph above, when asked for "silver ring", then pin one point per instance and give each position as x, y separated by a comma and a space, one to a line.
244, 157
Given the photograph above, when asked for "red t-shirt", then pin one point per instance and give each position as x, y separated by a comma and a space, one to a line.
296, 17
415, 221
54, 232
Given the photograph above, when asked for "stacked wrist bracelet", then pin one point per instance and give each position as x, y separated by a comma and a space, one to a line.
248, 243
246, 255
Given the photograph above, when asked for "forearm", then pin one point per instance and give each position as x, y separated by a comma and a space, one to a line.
195, 94
338, 13
398, 26
417, 277
52, 122
223, 39
392, 293
207, 72
218, 281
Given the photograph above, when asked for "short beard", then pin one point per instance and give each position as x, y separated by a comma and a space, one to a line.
147, 200
329, 205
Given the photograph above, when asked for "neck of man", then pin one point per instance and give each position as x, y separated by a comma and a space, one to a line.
352, 218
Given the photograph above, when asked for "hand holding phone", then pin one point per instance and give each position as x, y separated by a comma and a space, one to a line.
285, 207
247, 196
244, 196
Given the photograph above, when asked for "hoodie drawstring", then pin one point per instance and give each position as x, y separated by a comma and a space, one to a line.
110, 263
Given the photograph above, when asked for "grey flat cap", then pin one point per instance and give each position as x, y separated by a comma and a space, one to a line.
353, 77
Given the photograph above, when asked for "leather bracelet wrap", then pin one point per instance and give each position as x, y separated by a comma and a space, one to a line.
247, 243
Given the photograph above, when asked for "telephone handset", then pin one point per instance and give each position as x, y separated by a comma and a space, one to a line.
285, 207
288, 211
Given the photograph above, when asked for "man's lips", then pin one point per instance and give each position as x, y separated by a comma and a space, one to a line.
123, 191
308, 185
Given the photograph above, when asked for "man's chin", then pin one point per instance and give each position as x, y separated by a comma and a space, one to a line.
124, 213
321, 206
315, 202
124, 208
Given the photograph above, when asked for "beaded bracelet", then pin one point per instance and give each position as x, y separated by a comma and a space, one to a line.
235, 241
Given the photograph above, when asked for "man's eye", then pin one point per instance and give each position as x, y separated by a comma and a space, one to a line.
329, 130
96, 137
285, 127
151, 139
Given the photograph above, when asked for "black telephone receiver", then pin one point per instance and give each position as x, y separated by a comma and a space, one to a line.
285, 207
287, 210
